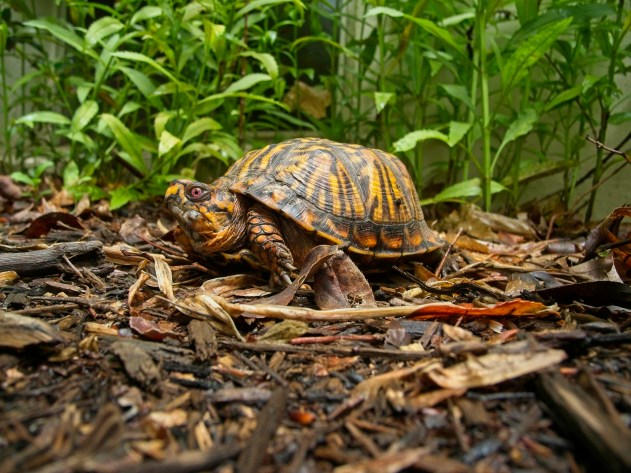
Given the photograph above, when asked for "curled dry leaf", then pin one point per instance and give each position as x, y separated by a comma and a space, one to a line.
206, 307
515, 360
150, 329
123, 255
164, 276
313, 262
340, 284
458, 334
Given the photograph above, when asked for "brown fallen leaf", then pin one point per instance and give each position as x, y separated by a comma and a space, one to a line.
41, 226
150, 329
512, 361
340, 284
308, 99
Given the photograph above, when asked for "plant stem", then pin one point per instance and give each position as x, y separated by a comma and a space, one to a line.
7, 162
487, 170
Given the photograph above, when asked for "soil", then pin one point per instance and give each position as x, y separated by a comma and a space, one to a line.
120, 353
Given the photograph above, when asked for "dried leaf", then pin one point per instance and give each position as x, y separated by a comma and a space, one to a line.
164, 276
150, 329
41, 226
493, 368
285, 330
308, 99
341, 284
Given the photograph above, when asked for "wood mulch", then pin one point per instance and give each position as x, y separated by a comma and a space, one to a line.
118, 353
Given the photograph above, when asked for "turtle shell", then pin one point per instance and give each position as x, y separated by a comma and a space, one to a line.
346, 194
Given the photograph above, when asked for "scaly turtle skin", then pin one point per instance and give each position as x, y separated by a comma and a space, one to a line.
276, 203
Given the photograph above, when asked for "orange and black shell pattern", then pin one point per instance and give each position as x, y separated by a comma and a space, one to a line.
346, 194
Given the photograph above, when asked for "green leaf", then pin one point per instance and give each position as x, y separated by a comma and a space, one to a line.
429, 26
102, 28
267, 60
209, 103
43, 117
139, 57
171, 88
63, 33
71, 174
127, 141
4, 35
247, 81
459, 92
520, 127
167, 142
198, 127
519, 62
410, 140
160, 121
18, 176
382, 99
384, 11
620, 117
140, 80
580, 14
146, 13
457, 131
84, 115
527, 10
256, 4
463, 190
129, 107
122, 196
533, 169
563, 97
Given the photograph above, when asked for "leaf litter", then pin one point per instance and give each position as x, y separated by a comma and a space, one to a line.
119, 353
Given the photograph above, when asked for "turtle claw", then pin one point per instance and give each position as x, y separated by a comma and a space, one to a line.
285, 279
289, 267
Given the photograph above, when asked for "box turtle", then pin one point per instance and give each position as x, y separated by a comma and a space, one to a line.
277, 203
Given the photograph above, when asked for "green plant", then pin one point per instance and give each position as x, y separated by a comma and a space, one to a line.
33, 178
146, 91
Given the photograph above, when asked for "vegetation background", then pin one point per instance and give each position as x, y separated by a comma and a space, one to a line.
483, 99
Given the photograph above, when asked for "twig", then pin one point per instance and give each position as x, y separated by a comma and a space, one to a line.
606, 148
447, 252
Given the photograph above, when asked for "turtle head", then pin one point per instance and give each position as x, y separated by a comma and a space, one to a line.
210, 217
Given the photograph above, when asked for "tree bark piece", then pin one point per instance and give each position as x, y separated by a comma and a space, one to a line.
51, 259
268, 421
604, 439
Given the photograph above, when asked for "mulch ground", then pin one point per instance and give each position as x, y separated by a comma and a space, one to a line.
118, 353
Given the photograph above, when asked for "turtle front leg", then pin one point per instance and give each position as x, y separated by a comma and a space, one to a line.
268, 245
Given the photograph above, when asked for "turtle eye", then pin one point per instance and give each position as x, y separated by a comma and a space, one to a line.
197, 193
